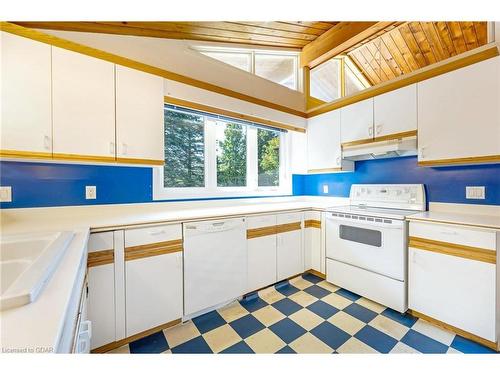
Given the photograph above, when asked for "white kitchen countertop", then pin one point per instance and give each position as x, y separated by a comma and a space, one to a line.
483, 221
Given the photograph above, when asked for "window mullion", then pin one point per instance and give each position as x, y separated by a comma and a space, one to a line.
210, 155
252, 162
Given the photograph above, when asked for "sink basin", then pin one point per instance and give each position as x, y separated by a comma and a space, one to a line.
27, 262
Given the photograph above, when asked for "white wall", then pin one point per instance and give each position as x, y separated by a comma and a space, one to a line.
177, 56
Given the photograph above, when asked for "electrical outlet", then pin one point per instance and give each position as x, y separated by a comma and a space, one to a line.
5, 194
90, 192
325, 189
475, 192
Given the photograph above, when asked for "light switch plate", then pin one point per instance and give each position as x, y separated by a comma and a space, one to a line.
5, 194
325, 189
475, 192
90, 192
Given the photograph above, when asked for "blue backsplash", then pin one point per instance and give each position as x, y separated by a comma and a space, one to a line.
48, 184
442, 184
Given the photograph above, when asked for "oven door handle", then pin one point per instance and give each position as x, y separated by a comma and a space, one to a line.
395, 224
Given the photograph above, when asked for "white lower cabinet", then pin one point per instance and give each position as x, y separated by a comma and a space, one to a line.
446, 285
290, 256
313, 255
153, 277
261, 248
101, 284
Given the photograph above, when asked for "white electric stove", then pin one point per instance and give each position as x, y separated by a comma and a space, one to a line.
366, 242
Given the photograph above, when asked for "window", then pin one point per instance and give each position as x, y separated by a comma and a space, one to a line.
279, 67
208, 155
184, 150
336, 78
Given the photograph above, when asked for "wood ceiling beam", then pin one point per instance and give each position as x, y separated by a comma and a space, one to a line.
338, 39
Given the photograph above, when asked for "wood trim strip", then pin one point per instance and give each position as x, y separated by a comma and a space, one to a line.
312, 224
124, 61
453, 63
100, 258
317, 273
288, 227
137, 336
447, 248
467, 160
261, 232
461, 332
388, 137
236, 115
324, 170
25, 154
152, 249
101, 159
140, 161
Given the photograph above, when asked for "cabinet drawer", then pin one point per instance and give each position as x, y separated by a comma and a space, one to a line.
151, 235
263, 221
288, 218
466, 236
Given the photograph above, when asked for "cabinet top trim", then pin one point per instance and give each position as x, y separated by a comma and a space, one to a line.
453, 63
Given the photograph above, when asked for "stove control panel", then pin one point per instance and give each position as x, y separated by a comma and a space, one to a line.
390, 196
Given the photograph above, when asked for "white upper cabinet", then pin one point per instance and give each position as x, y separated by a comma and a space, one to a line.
357, 121
83, 105
26, 101
395, 112
459, 115
323, 143
139, 115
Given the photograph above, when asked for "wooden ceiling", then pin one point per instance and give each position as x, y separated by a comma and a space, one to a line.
414, 45
289, 34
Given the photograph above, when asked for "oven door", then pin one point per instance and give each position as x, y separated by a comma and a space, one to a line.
371, 244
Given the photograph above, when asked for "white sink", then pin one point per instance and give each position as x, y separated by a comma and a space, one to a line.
27, 262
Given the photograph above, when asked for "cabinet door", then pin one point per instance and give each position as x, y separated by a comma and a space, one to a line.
261, 247
290, 257
395, 111
357, 121
323, 141
454, 290
101, 284
458, 113
26, 95
153, 277
139, 115
153, 291
83, 105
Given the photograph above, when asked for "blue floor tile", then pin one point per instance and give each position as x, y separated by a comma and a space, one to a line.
197, 345
360, 312
312, 278
239, 348
405, 319
423, 343
208, 321
377, 340
286, 350
286, 288
331, 335
155, 343
322, 309
467, 346
247, 326
347, 294
287, 306
253, 303
287, 330
317, 291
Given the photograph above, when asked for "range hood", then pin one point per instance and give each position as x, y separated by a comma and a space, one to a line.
381, 149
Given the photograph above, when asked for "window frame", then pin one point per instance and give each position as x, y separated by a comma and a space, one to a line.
211, 190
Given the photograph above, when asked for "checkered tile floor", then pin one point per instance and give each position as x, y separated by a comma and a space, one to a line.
305, 315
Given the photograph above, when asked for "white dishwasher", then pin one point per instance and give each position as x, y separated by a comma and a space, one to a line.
215, 264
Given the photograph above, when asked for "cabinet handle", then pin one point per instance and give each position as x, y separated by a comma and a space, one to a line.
422, 155
112, 148
338, 160
124, 149
378, 129
46, 142
370, 131
449, 233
